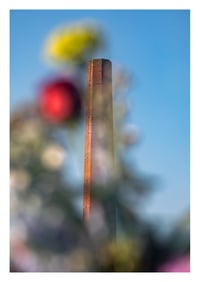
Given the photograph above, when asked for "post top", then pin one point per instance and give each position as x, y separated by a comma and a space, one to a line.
100, 60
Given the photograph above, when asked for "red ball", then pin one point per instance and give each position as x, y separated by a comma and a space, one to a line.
59, 101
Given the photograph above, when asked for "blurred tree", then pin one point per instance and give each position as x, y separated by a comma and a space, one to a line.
47, 229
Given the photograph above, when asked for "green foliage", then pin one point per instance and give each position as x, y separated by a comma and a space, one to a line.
48, 232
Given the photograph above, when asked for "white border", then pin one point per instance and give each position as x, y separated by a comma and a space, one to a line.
4, 133
125, 4
4, 130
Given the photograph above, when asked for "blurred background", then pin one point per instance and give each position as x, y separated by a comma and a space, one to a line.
49, 51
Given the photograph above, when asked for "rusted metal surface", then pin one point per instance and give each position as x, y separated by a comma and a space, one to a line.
99, 128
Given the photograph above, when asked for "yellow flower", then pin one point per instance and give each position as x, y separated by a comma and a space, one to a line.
73, 44
122, 255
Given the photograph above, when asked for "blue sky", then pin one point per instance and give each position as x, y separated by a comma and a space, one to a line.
154, 45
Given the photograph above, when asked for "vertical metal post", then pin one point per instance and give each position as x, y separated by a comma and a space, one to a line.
99, 128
